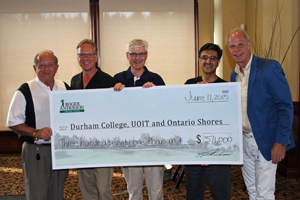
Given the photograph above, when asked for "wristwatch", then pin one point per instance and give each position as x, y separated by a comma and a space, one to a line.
283, 145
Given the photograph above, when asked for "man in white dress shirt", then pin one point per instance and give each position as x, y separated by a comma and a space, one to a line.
29, 116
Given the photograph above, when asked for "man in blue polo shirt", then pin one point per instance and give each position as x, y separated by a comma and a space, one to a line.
138, 75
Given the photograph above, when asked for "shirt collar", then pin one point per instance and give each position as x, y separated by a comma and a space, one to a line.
247, 68
43, 84
145, 75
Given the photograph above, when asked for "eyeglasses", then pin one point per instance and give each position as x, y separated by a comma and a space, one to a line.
83, 55
42, 66
212, 58
133, 55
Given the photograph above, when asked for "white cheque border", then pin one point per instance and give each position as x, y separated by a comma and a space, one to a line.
185, 124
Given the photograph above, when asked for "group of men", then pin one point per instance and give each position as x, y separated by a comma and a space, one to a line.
267, 114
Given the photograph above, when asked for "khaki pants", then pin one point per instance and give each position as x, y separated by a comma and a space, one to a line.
154, 181
95, 183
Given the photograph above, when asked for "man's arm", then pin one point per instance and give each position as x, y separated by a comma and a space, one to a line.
23, 129
280, 91
16, 119
118, 87
148, 85
277, 153
281, 94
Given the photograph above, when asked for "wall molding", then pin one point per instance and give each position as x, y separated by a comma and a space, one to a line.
9, 142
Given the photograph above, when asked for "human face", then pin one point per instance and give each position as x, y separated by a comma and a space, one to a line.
209, 65
46, 68
87, 63
137, 62
239, 48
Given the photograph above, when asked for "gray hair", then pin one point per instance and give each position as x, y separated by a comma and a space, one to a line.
137, 43
36, 57
87, 41
238, 30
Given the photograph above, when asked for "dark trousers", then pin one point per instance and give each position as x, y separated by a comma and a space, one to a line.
217, 176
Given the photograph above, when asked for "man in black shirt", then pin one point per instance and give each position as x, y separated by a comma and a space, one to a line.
217, 176
95, 183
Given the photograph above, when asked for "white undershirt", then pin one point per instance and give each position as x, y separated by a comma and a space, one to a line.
244, 79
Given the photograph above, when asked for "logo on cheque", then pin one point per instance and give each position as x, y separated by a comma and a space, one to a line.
67, 107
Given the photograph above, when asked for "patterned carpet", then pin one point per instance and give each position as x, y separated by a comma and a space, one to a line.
11, 183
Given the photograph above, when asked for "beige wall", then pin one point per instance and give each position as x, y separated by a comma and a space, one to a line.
236, 12
205, 23
233, 16
232, 10
27, 27
285, 29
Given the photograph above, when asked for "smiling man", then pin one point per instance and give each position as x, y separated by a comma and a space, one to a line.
29, 116
217, 176
267, 115
138, 75
95, 183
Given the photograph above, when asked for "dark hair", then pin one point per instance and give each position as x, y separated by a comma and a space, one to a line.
211, 46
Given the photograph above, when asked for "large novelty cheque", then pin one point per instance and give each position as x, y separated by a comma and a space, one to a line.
187, 124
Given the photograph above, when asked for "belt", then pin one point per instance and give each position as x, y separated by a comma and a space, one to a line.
38, 143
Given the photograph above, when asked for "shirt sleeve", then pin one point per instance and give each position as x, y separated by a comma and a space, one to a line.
16, 112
